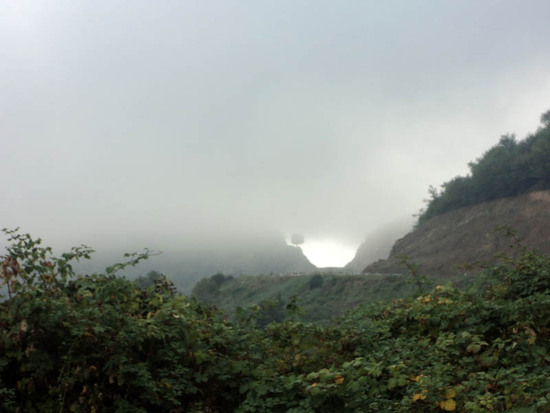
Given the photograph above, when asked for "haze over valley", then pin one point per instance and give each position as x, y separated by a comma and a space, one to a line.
212, 130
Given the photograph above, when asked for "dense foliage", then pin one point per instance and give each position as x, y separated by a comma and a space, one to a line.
102, 343
322, 297
507, 169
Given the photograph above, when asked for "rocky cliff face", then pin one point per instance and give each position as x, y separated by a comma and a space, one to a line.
444, 244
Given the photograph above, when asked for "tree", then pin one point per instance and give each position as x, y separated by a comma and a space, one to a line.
297, 239
148, 280
316, 281
507, 169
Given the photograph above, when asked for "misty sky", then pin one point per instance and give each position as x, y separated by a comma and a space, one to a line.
170, 120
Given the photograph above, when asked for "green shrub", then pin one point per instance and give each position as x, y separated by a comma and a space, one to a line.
100, 343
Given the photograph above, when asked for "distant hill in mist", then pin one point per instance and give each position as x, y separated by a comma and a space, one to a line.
377, 245
187, 263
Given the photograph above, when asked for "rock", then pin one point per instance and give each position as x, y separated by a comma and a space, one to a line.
447, 245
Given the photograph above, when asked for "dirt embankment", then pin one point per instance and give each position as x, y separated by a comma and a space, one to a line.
445, 243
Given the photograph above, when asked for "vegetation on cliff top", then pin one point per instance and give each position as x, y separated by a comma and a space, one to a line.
101, 343
507, 169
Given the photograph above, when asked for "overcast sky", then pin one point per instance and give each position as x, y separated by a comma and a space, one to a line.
176, 119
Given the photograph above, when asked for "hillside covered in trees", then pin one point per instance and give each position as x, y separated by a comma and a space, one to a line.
507, 169
322, 298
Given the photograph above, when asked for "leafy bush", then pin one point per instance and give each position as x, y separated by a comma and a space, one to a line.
100, 343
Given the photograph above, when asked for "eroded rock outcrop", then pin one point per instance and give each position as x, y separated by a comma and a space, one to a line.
447, 245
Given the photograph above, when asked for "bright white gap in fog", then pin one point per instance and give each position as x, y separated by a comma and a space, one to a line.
328, 253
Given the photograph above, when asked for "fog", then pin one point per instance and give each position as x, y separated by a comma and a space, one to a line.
179, 123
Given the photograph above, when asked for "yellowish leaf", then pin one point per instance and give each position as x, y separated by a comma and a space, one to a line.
532, 336
450, 394
448, 405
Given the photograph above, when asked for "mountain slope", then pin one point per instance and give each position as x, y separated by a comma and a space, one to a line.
467, 235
